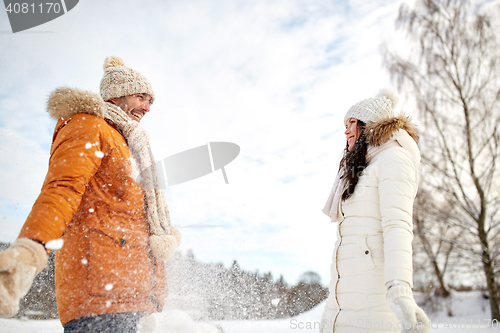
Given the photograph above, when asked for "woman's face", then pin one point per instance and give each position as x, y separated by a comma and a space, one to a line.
352, 132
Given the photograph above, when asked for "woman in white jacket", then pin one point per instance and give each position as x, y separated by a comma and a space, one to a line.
371, 202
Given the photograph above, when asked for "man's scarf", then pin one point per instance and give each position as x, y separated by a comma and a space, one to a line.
163, 237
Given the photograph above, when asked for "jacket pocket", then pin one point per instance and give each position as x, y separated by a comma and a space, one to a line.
367, 253
119, 264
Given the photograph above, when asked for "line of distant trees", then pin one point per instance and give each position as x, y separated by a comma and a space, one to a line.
211, 291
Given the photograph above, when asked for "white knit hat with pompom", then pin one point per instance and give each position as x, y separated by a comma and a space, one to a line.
376, 108
120, 80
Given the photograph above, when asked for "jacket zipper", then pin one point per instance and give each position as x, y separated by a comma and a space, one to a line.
154, 298
338, 278
336, 265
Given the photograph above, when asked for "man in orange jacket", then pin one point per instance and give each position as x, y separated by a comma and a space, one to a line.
115, 230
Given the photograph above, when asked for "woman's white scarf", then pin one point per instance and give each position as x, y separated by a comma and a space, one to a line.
332, 206
163, 237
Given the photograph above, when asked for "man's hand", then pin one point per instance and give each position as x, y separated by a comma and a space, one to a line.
163, 247
19, 265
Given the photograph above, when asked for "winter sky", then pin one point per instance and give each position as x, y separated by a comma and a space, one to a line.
273, 76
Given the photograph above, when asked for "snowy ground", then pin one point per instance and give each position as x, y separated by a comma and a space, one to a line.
471, 313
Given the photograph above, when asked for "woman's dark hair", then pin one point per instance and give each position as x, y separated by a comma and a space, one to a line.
354, 162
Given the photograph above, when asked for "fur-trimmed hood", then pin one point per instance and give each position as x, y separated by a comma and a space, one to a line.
65, 102
399, 128
381, 131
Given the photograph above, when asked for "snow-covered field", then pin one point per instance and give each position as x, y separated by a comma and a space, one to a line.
470, 309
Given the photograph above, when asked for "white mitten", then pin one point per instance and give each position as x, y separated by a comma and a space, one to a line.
412, 317
19, 265
163, 247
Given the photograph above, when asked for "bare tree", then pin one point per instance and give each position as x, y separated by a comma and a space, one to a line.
432, 239
453, 74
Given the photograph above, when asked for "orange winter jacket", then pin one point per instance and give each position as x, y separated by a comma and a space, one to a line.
91, 200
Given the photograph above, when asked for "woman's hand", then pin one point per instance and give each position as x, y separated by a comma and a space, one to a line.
412, 317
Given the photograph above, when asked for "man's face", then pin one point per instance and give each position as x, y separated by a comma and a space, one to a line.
135, 106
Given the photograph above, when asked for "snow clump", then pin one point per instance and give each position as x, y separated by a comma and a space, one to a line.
55, 244
174, 321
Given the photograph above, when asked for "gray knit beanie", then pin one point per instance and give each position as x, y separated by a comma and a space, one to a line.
120, 80
376, 108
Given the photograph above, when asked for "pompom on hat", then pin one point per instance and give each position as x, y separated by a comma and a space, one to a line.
372, 109
120, 80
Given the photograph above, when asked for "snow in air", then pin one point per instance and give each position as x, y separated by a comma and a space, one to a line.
55, 244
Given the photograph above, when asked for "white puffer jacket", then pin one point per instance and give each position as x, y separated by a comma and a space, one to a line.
374, 238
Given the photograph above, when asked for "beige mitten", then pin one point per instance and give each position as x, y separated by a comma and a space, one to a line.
19, 265
163, 247
400, 297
